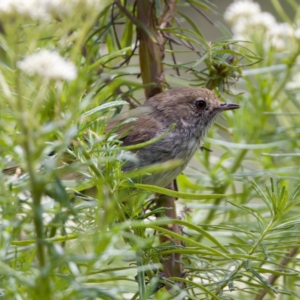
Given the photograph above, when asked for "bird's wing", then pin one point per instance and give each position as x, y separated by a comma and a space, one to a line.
140, 131
143, 129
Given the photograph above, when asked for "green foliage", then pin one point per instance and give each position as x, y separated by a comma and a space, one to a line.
60, 242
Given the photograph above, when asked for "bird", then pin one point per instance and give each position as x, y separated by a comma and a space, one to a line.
192, 110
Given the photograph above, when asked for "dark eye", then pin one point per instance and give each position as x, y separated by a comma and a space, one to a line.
200, 104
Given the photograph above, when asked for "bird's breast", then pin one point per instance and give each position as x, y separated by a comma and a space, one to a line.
176, 145
186, 150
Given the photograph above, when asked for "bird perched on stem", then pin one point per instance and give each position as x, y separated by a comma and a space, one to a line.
192, 111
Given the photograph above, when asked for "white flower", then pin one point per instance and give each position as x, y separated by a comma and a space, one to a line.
297, 30
238, 9
297, 33
49, 65
61, 8
58, 8
34, 9
245, 28
248, 23
294, 83
262, 21
282, 30
5, 6
42, 10
281, 35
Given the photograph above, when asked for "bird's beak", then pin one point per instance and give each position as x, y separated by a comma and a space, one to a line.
228, 106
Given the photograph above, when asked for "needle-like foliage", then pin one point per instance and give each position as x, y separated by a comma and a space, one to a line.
74, 226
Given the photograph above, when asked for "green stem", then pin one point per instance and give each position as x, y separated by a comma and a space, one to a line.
141, 273
287, 75
280, 11
35, 188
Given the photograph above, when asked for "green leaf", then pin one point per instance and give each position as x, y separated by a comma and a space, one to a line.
200, 4
194, 26
189, 241
108, 57
171, 193
254, 213
127, 37
192, 283
263, 281
263, 197
203, 232
103, 106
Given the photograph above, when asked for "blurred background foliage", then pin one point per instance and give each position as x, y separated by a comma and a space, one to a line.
57, 243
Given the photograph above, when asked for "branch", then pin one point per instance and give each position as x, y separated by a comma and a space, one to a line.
202, 14
114, 27
151, 52
165, 20
127, 13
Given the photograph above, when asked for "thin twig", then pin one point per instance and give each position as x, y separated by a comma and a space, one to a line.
170, 38
168, 14
132, 104
125, 60
174, 58
202, 14
188, 44
181, 42
114, 27
127, 13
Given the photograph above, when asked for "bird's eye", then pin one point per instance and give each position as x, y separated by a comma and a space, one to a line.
200, 104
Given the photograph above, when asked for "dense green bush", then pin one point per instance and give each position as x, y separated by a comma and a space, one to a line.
63, 73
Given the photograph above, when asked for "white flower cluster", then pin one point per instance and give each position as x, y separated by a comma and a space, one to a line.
49, 65
34, 9
294, 83
241, 9
247, 20
43, 10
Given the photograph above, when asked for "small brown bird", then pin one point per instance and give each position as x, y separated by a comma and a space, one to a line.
192, 110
